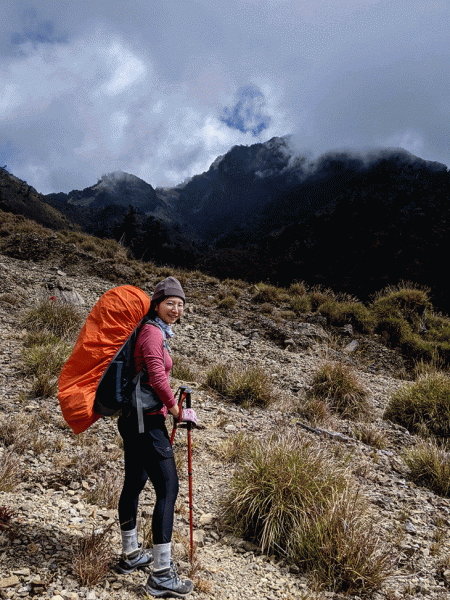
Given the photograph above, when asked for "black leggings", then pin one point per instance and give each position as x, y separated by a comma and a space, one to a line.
148, 455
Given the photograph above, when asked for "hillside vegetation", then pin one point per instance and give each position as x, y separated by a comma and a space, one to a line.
321, 469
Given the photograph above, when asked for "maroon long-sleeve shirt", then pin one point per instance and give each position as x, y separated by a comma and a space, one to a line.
150, 351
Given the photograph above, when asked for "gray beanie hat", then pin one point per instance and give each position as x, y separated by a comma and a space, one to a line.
168, 287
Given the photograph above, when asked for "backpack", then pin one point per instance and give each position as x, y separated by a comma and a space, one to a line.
97, 379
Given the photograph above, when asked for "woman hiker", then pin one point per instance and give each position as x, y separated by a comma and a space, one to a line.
149, 455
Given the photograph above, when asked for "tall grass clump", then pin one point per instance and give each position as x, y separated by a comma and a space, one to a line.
50, 326
10, 470
429, 464
93, 556
423, 407
340, 313
248, 386
268, 293
183, 369
44, 362
107, 491
293, 499
60, 318
338, 385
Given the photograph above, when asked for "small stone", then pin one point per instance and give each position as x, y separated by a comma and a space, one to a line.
7, 582
351, 347
199, 538
206, 519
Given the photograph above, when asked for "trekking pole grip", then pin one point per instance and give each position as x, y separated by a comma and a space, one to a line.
188, 405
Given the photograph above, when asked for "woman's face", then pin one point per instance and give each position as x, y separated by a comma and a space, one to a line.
170, 309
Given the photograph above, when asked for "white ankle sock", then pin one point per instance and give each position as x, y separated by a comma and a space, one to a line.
129, 541
161, 556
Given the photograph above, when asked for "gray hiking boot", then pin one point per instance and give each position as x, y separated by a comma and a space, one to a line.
138, 559
167, 583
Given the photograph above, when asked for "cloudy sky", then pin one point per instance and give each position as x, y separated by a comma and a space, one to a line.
160, 88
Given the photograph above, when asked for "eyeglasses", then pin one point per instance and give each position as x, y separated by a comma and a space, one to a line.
172, 305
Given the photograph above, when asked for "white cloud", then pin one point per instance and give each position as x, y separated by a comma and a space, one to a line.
127, 70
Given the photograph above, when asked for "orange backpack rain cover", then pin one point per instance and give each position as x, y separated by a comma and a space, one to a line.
109, 324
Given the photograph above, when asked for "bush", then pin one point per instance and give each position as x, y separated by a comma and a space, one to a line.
406, 301
249, 386
297, 289
340, 313
267, 293
423, 407
45, 362
216, 378
266, 308
59, 318
227, 302
318, 295
337, 384
300, 304
429, 464
294, 500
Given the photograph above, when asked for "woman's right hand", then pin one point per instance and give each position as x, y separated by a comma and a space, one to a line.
189, 416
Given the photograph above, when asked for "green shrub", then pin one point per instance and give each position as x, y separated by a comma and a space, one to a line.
429, 464
300, 304
293, 499
227, 302
297, 289
217, 378
267, 293
45, 362
340, 313
338, 385
406, 301
249, 386
423, 407
318, 295
59, 318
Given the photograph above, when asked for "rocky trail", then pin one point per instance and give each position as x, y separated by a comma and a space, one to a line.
58, 470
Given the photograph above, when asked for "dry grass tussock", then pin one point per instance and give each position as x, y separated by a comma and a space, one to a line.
429, 464
93, 556
423, 407
293, 499
10, 470
248, 386
339, 386
51, 327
